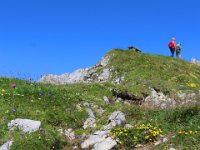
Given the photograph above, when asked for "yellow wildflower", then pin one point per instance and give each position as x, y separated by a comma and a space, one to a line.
147, 137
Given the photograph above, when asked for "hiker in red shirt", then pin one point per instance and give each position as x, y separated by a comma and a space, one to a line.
172, 46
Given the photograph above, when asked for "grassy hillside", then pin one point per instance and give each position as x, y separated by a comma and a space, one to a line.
142, 71
56, 105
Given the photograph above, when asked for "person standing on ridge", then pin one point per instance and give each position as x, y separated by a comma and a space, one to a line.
172, 46
178, 50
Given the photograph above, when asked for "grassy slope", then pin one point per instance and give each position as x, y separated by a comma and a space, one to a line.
55, 107
145, 70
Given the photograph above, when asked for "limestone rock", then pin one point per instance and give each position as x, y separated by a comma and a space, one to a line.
84, 75
106, 144
159, 100
118, 117
109, 126
100, 111
70, 134
104, 76
90, 113
89, 123
128, 126
104, 61
106, 100
6, 146
26, 125
118, 80
97, 137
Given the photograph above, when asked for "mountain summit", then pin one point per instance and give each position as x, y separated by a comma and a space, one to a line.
135, 72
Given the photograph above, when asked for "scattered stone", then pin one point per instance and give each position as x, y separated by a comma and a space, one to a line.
127, 103
118, 117
138, 145
26, 125
90, 113
119, 99
164, 140
100, 111
158, 143
75, 147
89, 123
106, 100
106, 144
161, 141
109, 126
97, 137
6, 146
128, 126
159, 100
70, 134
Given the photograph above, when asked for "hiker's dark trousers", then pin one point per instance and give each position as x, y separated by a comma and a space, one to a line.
172, 51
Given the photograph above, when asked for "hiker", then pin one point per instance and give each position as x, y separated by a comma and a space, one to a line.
178, 50
172, 46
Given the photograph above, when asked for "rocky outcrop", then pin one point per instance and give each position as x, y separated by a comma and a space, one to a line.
90, 122
100, 140
158, 100
96, 73
26, 125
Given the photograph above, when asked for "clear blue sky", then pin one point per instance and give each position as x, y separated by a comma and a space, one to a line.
58, 36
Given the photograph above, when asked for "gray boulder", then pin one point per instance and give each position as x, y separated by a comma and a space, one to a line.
97, 137
106, 144
26, 125
6, 146
117, 117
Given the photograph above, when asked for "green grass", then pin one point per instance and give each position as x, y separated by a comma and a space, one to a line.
55, 105
142, 71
